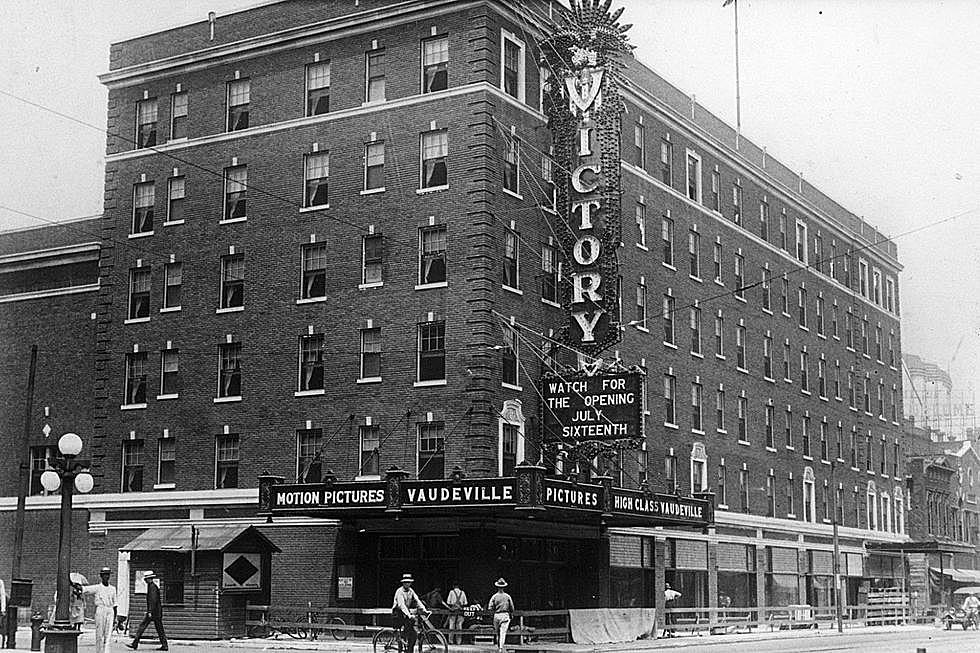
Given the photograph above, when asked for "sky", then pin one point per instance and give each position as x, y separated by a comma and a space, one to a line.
874, 101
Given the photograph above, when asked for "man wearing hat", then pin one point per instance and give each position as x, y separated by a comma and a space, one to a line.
105, 609
406, 600
154, 613
502, 607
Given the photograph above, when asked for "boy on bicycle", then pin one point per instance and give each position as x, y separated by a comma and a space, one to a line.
406, 607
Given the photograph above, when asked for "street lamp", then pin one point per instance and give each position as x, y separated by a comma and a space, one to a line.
68, 473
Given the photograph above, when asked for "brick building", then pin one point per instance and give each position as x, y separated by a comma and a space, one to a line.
330, 243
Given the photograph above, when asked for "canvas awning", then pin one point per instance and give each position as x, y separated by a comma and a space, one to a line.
959, 575
208, 538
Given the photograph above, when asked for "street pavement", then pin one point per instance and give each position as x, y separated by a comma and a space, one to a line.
883, 639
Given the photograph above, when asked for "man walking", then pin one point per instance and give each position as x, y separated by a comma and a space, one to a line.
154, 613
105, 609
502, 607
457, 602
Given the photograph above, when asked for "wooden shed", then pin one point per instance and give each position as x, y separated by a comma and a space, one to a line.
207, 574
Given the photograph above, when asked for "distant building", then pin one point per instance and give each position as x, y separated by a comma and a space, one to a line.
929, 396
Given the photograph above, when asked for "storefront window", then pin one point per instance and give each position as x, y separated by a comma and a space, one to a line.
782, 577
686, 564
736, 576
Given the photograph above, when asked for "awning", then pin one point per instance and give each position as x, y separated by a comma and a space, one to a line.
959, 575
208, 538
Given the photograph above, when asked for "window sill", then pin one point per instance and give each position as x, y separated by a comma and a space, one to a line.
806, 392
853, 408
821, 336
642, 328
230, 309
309, 393
767, 311
311, 209
433, 189
697, 431
173, 223
790, 381
368, 477
742, 299
694, 278
741, 369
132, 406
722, 431
142, 234
720, 357
643, 247
164, 486
429, 384
177, 140
785, 314
368, 379
373, 191
670, 344
771, 449
822, 398
170, 309
511, 386
855, 469
516, 291
311, 300
791, 515
719, 282
825, 462
227, 400
512, 193
136, 320
744, 443
806, 457
868, 356
550, 303
369, 103
668, 425
233, 220
430, 286
696, 354
368, 286
790, 447
769, 379
669, 266
172, 395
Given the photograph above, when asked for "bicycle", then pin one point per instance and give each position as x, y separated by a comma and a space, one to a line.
430, 639
339, 634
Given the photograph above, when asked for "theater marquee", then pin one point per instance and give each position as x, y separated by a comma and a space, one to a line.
606, 407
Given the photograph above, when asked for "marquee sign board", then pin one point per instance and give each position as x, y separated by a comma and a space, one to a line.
604, 407
585, 117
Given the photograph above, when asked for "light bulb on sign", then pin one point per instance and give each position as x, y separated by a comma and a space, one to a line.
50, 480
84, 482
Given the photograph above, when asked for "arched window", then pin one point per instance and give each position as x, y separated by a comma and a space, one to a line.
809, 498
699, 468
872, 502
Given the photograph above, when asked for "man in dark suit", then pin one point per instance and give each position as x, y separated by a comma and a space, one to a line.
154, 613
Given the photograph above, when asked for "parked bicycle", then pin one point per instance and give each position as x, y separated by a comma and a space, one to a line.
296, 626
430, 639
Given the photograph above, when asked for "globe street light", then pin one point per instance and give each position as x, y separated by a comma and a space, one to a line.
69, 474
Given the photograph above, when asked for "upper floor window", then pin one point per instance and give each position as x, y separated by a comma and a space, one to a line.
764, 221
696, 399
226, 461
172, 282
139, 293
890, 304
694, 177
549, 274
239, 92
311, 362
737, 204
667, 234
512, 177
432, 255
374, 166
511, 271
694, 249
166, 461
435, 147
370, 437
236, 192
512, 70
802, 244
801, 305
510, 361
739, 276
432, 351
317, 88
435, 64
716, 190
372, 266
178, 115
317, 178
640, 145
876, 287
641, 225
783, 240
309, 464
232, 280
668, 315
143, 200
132, 466
695, 330
169, 372
314, 270
135, 379
431, 451
371, 353
641, 304
146, 123
230, 369
718, 263
818, 253
175, 199
666, 162
863, 278
375, 76
670, 395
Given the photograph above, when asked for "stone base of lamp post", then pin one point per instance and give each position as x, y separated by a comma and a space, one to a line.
61, 638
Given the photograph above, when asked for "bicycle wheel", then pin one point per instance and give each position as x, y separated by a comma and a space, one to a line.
339, 634
385, 640
433, 641
259, 630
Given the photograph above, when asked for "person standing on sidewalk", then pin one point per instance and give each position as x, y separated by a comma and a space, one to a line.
105, 609
502, 608
457, 601
670, 595
154, 613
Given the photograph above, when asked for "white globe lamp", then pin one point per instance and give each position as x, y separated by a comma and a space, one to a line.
50, 480
84, 482
70, 444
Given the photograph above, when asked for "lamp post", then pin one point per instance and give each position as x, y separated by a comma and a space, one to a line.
838, 608
69, 474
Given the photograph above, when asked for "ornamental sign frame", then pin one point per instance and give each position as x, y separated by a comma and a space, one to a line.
585, 117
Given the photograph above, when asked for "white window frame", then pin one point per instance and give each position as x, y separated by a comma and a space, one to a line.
698, 456
691, 154
512, 415
160, 443
809, 499
864, 281
521, 64
801, 228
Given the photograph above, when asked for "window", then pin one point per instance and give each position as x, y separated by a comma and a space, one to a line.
135, 379
742, 407
668, 320
866, 393
670, 473
512, 70
897, 456
238, 103
853, 447
370, 437
640, 145
739, 276
132, 466
699, 474
431, 452
508, 448
865, 347
878, 352
891, 348
666, 162
146, 123
372, 252
317, 177
720, 491
851, 390
784, 298
719, 335
819, 316
718, 263
767, 357
801, 242
766, 290
716, 190
881, 399
435, 146
641, 304
178, 116
822, 377
432, 351
371, 353
818, 253
139, 293
740, 347
641, 225
375, 72
143, 199
510, 361
667, 234
837, 394
849, 329
311, 363
883, 458
695, 330
863, 278
317, 88
166, 461
511, 271
790, 498
670, 393
770, 427
770, 495
432, 262
230, 369
801, 305
435, 64
309, 464
720, 409
804, 371
374, 166
868, 453
764, 221
314, 270
549, 277
39, 464
737, 204
743, 489
694, 177
226, 462
232, 280
788, 428
169, 372
809, 500
824, 446
786, 374
890, 295
175, 199
696, 397
894, 404
876, 287
783, 241
512, 153
551, 192
694, 250
834, 321
236, 192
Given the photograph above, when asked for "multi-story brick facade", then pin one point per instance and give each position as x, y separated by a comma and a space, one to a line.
288, 291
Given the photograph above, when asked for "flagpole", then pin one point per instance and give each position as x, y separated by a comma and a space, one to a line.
738, 97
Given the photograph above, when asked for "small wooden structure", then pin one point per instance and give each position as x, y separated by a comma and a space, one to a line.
207, 576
